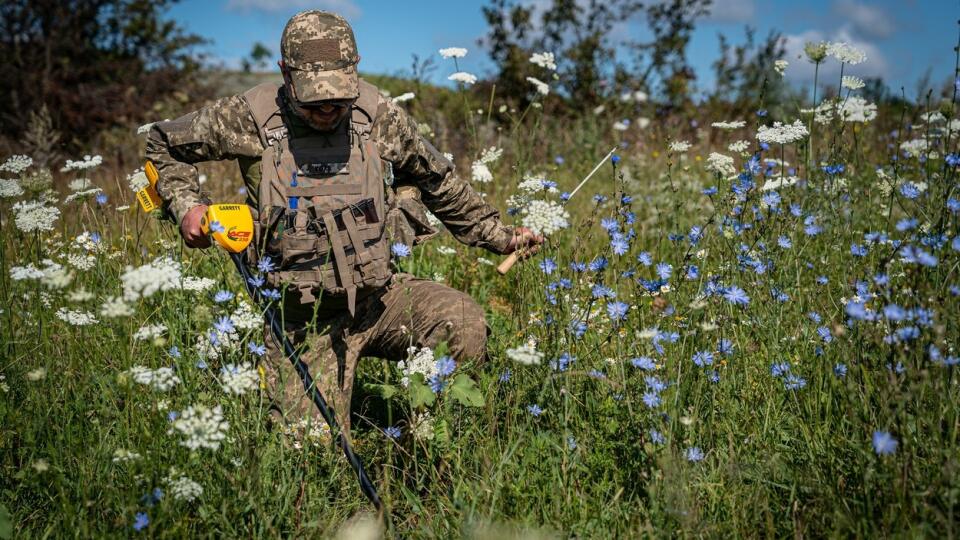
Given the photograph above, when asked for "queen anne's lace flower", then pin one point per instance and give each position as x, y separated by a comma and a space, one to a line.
453, 52
183, 488
526, 354
115, 307
679, 147
852, 83
76, 317
845, 53
721, 164
10, 188
463, 77
418, 361
542, 87
739, 146
857, 109
88, 162
780, 133
734, 124
545, 217
239, 379
201, 427
16, 164
160, 379
36, 215
544, 60
198, 284
244, 318
149, 332
480, 173
162, 274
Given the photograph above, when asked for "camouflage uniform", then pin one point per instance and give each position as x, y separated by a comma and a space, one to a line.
320, 51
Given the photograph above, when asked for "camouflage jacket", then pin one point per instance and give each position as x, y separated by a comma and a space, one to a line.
226, 129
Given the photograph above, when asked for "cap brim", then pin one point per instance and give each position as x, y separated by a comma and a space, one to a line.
322, 85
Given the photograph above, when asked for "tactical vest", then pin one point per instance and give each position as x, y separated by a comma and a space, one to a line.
322, 204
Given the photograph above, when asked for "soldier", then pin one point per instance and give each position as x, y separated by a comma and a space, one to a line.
336, 174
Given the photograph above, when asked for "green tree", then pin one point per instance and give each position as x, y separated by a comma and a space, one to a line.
93, 63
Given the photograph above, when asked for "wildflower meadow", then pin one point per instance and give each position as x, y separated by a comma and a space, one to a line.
739, 326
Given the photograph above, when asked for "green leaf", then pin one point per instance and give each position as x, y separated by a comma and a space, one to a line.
6, 523
420, 393
386, 391
465, 390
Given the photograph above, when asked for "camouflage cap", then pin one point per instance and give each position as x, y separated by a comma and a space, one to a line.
319, 49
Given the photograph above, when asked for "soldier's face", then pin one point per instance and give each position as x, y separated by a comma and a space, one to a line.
323, 115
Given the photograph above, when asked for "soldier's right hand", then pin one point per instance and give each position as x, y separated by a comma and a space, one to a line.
190, 228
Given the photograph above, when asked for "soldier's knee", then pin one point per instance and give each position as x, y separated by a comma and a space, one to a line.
468, 333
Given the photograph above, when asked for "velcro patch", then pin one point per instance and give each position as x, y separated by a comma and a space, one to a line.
313, 169
320, 50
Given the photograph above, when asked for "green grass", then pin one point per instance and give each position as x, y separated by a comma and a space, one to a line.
777, 462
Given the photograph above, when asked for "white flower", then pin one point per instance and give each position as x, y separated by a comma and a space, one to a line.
121, 455
846, 53
734, 124
857, 109
780, 66
544, 60
643, 122
404, 97
37, 375
915, 147
80, 295
542, 87
480, 173
16, 164
22, 273
88, 162
149, 332
526, 354
198, 284
115, 307
79, 184
137, 180
418, 361
777, 183
239, 380
933, 117
779, 133
55, 276
10, 188
484, 261
620, 125
445, 250
851, 82
201, 427
453, 52
76, 318
81, 195
463, 77
490, 155
35, 215
183, 488
544, 217
739, 147
721, 164
422, 426
215, 343
160, 379
161, 274
679, 147
244, 318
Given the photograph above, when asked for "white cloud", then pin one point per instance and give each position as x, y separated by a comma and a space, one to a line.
866, 20
733, 11
347, 8
801, 70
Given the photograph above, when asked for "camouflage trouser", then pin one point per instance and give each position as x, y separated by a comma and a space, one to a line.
407, 311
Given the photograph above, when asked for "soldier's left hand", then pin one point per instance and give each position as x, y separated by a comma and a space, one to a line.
526, 241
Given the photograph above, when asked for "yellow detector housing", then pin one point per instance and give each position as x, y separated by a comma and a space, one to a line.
230, 225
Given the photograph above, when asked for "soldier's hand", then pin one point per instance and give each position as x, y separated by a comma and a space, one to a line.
190, 228
525, 241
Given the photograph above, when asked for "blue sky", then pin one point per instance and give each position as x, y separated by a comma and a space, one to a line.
902, 38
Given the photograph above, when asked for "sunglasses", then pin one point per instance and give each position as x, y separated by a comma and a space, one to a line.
326, 104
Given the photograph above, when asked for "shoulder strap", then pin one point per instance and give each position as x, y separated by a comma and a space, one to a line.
265, 102
365, 108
